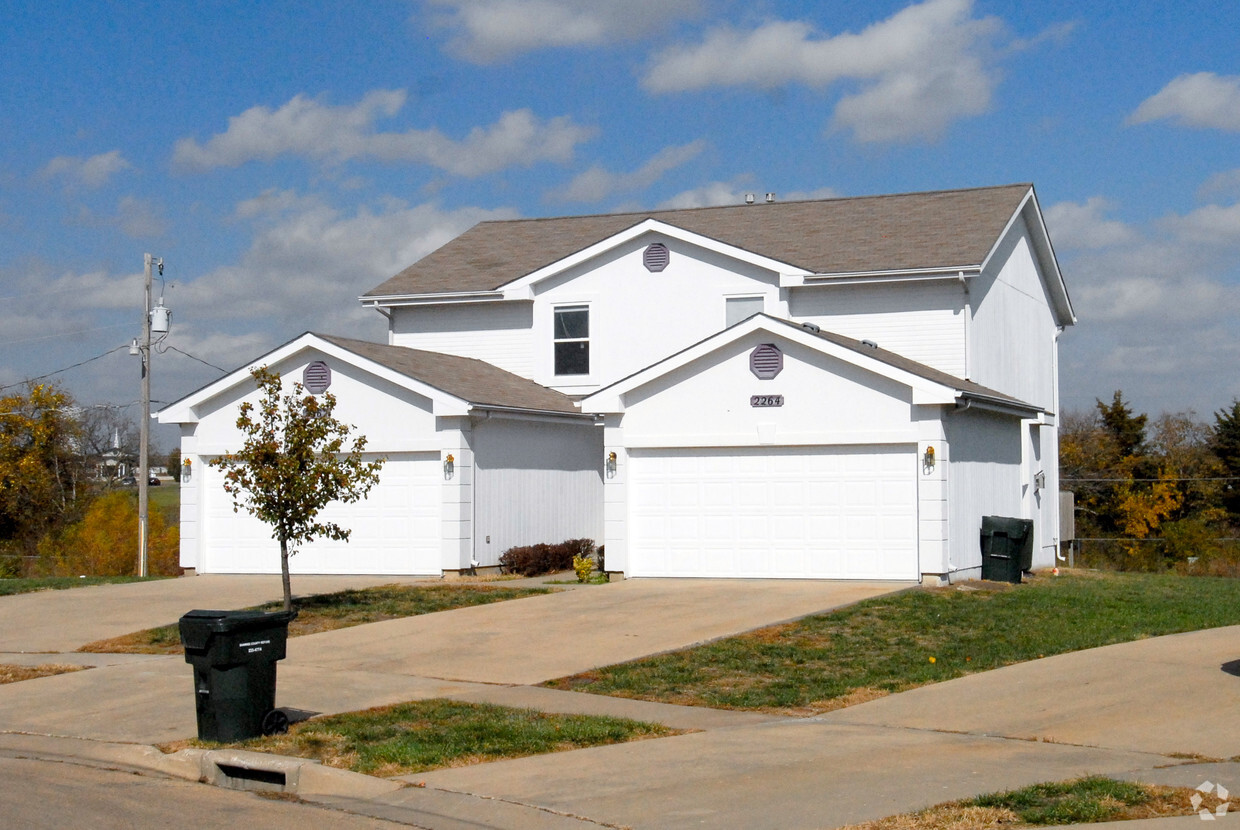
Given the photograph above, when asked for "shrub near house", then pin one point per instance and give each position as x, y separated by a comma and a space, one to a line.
535, 560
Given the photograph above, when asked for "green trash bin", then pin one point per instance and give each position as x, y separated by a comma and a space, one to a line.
1007, 548
234, 656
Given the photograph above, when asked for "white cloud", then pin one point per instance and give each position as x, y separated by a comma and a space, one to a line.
1200, 100
90, 172
709, 195
1221, 185
596, 184
309, 128
308, 262
919, 69
1082, 226
139, 218
1159, 304
485, 31
716, 194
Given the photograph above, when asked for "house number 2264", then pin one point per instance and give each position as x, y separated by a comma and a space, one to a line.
766, 400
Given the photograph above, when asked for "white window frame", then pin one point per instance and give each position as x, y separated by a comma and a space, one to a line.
727, 302
556, 340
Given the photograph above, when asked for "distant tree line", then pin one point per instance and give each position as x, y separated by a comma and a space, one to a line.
1166, 492
60, 512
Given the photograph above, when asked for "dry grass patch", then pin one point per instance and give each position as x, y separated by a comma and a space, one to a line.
1081, 801
16, 674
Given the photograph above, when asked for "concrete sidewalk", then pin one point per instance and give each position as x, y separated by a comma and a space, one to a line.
1137, 710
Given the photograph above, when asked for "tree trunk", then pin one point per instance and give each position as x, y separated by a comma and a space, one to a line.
288, 590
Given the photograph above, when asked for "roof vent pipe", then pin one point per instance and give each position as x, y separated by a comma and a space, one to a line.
770, 197
749, 198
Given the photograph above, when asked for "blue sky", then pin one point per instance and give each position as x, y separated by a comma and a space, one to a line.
285, 157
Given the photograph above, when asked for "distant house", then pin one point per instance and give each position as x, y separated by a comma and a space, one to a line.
115, 462
833, 389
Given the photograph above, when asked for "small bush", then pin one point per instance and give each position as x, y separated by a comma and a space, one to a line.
536, 560
584, 566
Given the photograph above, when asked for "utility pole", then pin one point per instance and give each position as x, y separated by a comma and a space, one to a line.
157, 319
144, 426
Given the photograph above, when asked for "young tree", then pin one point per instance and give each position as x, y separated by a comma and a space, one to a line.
293, 464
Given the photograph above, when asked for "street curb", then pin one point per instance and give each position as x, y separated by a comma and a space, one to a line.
228, 768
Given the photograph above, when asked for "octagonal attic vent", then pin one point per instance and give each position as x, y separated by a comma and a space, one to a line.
766, 361
316, 377
656, 257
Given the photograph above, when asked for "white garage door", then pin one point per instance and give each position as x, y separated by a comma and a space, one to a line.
395, 530
774, 512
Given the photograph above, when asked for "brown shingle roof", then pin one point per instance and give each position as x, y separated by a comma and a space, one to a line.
941, 229
463, 377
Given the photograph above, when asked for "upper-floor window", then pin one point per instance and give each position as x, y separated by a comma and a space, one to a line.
742, 308
572, 340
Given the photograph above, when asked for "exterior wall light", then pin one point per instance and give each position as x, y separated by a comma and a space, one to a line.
449, 466
927, 461
611, 464
187, 471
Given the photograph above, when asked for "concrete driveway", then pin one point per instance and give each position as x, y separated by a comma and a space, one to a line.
51, 621
478, 653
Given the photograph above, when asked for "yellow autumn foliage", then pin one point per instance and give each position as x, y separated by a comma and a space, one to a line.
105, 542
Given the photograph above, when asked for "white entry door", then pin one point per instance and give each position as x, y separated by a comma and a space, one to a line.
774, 512
395, 530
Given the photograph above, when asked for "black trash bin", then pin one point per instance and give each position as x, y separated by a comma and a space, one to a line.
234, 656
1007, 548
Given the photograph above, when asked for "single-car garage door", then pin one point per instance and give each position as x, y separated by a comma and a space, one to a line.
395, 530
774, 512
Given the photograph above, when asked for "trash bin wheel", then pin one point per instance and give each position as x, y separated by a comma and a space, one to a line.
275, 722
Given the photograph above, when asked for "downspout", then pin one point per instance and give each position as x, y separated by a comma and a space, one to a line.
968, 327
951, 569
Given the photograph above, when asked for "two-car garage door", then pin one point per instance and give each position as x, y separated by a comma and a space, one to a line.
395, 530
774, 512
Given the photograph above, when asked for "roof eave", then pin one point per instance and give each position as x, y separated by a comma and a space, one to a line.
949, 272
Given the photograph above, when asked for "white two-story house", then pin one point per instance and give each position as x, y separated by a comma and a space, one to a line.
834, 389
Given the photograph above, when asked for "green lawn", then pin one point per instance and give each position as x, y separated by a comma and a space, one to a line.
905, 640
427, 734
166, 497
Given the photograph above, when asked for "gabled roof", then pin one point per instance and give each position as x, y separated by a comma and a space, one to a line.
946, 229
467, 378
460, 382
930, 385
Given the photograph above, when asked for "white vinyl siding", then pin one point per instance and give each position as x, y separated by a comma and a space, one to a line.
535, 482
498, 333
774, 512
921, 321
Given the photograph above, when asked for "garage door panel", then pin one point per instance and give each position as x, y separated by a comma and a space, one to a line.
395, 530
804, 512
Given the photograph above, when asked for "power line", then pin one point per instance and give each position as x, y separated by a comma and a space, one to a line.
59, 334
199, 359
1117, 480
67, 368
